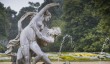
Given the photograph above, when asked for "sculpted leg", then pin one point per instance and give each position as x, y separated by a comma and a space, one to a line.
19, 59
36, 49
26, 54
24, 43
46, 59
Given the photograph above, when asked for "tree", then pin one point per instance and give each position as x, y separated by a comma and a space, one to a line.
87, 22
6, 16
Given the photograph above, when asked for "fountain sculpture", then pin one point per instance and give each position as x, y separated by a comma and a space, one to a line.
32, 35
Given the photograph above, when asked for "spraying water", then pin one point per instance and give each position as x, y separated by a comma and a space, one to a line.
71, 42
104, 44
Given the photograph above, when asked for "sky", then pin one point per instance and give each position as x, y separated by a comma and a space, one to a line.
18, 4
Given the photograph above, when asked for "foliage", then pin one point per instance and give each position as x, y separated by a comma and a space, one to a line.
2, 48
4, 23
34, 4
87, 21
6, 16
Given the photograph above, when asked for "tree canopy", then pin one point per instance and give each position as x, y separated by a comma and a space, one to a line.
87, 21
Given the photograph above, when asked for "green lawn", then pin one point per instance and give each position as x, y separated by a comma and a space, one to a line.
68, 56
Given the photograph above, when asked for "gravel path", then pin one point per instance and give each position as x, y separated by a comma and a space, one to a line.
70, 62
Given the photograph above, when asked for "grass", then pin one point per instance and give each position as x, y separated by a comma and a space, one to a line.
78, 57
3, 55
67, 56
85, 54
70, 58
5, 60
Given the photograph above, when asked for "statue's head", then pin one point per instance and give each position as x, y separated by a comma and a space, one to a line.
55, 31
47, 15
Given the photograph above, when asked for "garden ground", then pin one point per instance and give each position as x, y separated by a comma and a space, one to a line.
98, 62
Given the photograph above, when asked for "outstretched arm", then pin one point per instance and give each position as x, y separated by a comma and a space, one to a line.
20, 22
39, 34
22, 18
47, 7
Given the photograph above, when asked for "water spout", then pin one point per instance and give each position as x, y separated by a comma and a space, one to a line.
104, 44
71, 42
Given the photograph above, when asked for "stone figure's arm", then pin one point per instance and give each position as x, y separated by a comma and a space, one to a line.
39, 34
49, 34
22, 18
51, 39
47, 7
20, 22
